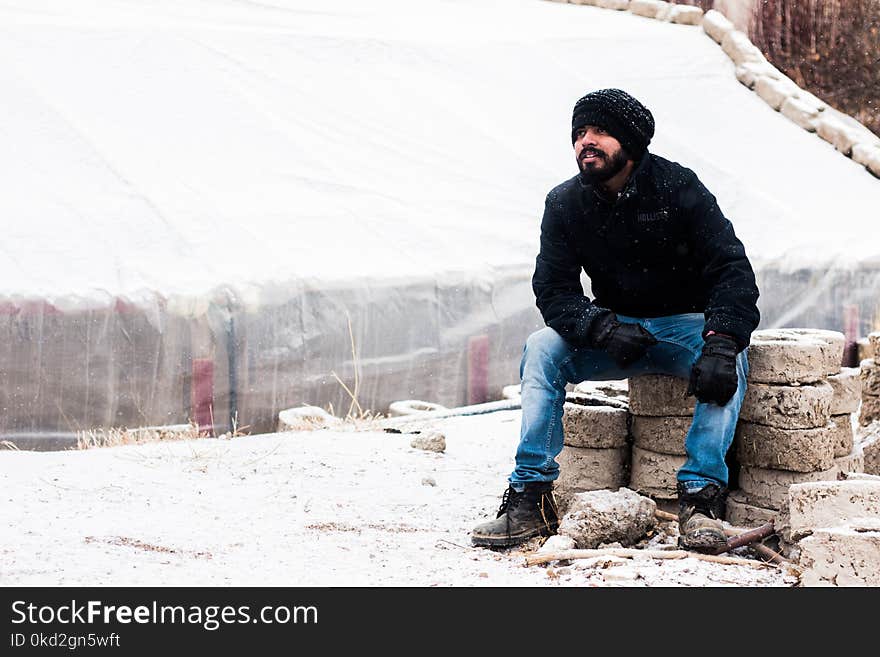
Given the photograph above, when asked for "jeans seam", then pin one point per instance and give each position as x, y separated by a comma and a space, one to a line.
680, 344
549, 437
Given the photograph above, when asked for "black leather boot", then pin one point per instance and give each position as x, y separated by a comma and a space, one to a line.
699, 518
521, 516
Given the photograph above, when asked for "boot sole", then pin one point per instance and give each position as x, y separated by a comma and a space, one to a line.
702, 542
510, 541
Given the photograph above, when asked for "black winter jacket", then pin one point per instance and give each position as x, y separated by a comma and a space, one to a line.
663, 248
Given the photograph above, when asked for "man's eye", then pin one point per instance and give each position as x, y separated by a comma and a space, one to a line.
601, 131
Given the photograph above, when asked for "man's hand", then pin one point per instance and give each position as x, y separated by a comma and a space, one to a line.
624, 342
713, 376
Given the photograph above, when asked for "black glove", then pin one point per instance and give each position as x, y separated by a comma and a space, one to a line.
624, 342
713, 376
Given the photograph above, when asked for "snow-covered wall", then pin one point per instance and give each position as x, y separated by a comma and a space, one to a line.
231, 182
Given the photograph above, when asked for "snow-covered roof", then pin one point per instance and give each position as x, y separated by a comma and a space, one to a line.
180, 146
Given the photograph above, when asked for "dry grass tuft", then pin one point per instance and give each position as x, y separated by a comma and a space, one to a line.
93, 438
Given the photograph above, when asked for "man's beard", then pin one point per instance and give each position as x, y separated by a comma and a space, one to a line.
610, 166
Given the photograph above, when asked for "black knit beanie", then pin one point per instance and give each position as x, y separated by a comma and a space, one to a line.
625, 118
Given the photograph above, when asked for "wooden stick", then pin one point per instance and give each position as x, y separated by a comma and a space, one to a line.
663, 515
763, 551
629, 553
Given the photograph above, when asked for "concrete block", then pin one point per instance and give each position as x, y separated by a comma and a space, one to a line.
648, 8
798, 450
768, 488
842, 556
748, 73
821, 504
801, 113
788, 407
853, 462
844, 440
837, 133
582, 469
863, 347
739, 48
660, 396
868, 155
874, 343
742, 514
869, 410
685, 14
619, 5
794, 355
870, 377
654, 474
716, 25
603, 516
871, 451
661, 434
847, 387
776, 92
596, 427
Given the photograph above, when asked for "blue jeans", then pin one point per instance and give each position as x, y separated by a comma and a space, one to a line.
549, 362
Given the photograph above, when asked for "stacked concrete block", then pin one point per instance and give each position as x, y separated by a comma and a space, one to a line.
870, 379
795, 423
662, 414
838, 524
596, 449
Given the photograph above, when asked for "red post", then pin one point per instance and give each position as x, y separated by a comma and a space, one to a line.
851, 331
478, 369
202, 397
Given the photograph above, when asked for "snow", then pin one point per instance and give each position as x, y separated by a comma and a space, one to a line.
183, 146
320, 508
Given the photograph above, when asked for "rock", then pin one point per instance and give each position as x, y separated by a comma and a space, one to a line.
597, 427
870, 377
648, 8
584, 469
801, 113
874, 342
557, 543
716, 25
842, 556
615, 388
660, 395
654, 474
800, 450
868, 155
739, 48
775, 92
852, 462
684, 14
748, 73
837, 133
814, 505
794, 355
847, 387
788, 407
602, 516
661, 434
620, 5
430, 441
304, 418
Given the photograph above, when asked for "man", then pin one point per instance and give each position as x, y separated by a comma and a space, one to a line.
674, 294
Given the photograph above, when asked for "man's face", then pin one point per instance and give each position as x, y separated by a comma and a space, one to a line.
599, 155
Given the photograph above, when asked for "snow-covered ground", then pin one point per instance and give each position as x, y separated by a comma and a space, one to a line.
319, 508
